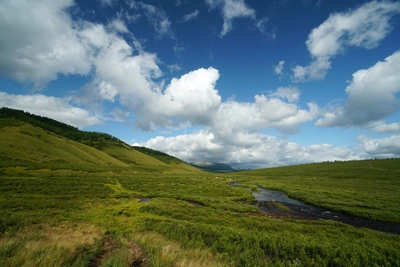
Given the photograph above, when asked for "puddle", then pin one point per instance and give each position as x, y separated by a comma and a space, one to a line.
143, 199
194, 203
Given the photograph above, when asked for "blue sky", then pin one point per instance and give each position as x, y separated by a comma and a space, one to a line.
249, 83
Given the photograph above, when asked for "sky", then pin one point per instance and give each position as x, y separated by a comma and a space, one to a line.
250, 83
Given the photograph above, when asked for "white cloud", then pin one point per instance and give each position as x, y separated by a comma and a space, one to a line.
263, 113
119, 26
127, 75
247, 150
371, 97
292, 94
32, 50
363, 27
178, 49
262, 24
383, 128
174, 67
231, 9
190, 99
279, 68
191, 15
317, 70
52, 107
381, 147
157, 18
107, 2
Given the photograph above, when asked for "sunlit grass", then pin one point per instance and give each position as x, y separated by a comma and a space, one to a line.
72, 244
63, 217
168, 253
363, 188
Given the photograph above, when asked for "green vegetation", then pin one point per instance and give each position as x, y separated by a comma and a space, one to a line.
57, 127
63, 203
367, 188
214, 167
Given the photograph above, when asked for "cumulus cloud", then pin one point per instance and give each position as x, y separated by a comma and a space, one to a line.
52, 107
264, 113
388, 147
191, 16
188, 100
372, 96
247, 150
231, 9
127, 75
317, 70
32, 50
383, 128
363, 27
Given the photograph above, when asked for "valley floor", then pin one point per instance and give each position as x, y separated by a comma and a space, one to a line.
82, 218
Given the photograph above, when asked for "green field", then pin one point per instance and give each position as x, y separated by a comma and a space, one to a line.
65, 202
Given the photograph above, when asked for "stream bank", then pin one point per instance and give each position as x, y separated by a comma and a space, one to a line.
267, 203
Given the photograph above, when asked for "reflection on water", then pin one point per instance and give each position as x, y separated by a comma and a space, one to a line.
299, 209
143, 199
273, 195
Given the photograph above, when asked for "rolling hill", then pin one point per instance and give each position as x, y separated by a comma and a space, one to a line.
33, 141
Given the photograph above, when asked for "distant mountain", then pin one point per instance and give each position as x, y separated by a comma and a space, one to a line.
32, 141
213, 166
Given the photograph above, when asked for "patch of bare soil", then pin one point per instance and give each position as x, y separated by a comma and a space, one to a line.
139, 257
137, 254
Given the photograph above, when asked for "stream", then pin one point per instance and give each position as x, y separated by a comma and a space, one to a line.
267, 200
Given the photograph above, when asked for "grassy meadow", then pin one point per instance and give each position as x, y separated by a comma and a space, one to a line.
369, 189
64, 203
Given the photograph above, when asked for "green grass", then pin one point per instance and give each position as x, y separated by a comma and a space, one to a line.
26, 145
363, 188
63, 203
171, 230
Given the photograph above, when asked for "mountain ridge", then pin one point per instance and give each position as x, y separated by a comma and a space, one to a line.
213, 166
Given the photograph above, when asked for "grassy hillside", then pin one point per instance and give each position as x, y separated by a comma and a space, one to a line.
213, 167
22, 144
368, 188
33, 141
167, 159
56, 127
143, 161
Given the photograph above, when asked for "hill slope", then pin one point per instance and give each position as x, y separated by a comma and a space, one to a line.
22, 144
213, 167
37, 142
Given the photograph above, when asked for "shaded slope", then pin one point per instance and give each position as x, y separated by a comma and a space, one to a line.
213, 167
